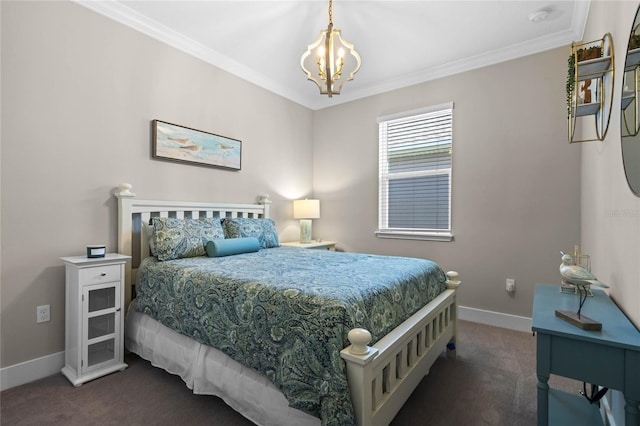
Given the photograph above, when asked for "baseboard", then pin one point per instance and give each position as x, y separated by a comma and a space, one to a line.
496, 319
28, 371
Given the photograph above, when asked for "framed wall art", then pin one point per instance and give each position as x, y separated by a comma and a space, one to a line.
173, 142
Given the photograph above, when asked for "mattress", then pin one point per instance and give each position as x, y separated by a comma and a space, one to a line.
286, 312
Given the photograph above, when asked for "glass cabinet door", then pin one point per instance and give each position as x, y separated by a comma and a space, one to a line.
101, 311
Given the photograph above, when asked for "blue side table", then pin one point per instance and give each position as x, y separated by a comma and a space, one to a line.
609, 357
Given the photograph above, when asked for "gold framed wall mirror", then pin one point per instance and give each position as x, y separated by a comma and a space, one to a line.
630, 110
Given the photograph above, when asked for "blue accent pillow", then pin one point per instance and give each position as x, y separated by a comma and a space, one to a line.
231, 246
264, 230
178, 238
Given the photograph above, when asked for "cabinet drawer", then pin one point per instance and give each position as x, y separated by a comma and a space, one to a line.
99, 274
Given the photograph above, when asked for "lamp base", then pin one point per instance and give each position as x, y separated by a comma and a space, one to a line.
305, 231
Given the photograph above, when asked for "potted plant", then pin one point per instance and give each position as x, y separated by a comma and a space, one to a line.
587, 53
571, 81
634, 41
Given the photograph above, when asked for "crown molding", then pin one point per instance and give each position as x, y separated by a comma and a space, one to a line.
579, 18
129, 17
468, 64
541, 44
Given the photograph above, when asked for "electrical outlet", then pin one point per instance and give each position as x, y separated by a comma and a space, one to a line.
43, 313
511, 285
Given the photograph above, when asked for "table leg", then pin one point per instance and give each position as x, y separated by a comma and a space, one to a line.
543, 400
543, 370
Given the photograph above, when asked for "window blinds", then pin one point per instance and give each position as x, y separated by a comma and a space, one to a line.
415, 171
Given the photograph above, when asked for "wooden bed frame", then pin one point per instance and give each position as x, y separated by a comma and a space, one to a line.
381, 376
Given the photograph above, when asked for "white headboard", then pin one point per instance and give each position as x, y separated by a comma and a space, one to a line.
132, 213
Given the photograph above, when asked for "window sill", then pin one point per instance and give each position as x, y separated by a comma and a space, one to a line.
426, 236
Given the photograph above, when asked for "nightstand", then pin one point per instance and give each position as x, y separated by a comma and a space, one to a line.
94, 321
320, 245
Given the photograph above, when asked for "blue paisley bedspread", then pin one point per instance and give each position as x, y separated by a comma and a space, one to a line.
286, 312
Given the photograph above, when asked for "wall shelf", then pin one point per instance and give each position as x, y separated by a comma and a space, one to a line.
593, 68
591, 92
587, 109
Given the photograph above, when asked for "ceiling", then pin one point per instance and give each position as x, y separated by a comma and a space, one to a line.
401, 42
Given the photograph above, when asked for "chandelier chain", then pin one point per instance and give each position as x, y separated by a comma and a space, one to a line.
330, 12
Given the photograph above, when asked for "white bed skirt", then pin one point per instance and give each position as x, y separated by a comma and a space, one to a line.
208, 371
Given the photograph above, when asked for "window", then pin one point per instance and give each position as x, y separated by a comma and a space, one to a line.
415, 174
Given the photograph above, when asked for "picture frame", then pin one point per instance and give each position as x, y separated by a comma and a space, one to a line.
173, 142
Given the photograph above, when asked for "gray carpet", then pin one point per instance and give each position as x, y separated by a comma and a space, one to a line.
492, 382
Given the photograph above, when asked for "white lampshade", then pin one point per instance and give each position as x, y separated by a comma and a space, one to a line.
306, 209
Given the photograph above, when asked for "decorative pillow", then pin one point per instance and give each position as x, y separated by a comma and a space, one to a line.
264, 230
178, 238
231, 246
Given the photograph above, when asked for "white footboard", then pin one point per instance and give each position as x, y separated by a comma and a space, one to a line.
382, 377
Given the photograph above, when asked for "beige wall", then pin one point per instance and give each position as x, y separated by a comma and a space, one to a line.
78, 94
516, 187
610, 211
79, 91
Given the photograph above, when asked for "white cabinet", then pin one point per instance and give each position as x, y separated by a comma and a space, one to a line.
94, 320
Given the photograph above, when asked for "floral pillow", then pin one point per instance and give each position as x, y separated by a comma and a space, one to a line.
178, 238
264, 230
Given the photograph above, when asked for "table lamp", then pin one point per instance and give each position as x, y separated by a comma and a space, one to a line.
305, 210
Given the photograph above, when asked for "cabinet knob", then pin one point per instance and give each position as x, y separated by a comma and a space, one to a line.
103, 274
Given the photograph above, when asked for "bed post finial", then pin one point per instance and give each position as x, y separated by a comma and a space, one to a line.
264, 199
124, 190
266, 202
359, 338
452, 280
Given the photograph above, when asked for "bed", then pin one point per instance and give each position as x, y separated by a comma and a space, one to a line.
209, 336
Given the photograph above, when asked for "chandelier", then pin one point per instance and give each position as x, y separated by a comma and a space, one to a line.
330, 61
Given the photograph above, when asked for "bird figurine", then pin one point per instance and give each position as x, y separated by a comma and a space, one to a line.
577, 275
